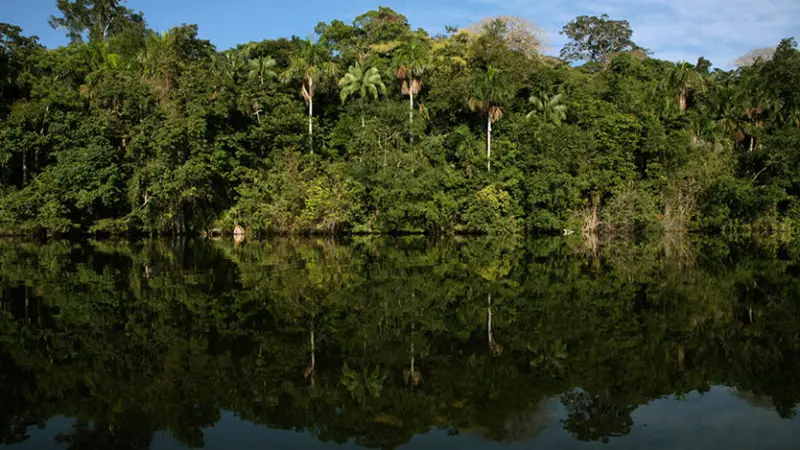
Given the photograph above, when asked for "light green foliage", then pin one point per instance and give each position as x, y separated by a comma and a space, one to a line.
365, 84
261, 69
551, 109
296, 196
492, 211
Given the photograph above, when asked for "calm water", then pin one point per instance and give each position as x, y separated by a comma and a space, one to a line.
398, 343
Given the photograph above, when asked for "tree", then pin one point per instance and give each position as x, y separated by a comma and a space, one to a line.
155, 53
703, 66
261, 69
15, 51
365, 84
97, 19
519, 34
490, 92
754, 56
380, 26
683, 79
411, 61
312, 64
782, 81
594, 39
232, 64
550, 108
727, 110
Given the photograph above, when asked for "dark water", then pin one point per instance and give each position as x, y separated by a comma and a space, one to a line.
409, 343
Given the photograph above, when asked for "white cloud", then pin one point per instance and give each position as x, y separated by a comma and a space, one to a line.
720, 30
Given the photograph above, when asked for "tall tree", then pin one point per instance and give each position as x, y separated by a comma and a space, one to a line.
312, 64
260, 69
380, 26
411, 61
490, 92
96, 19
596, 38
754, 56
365, 84
781, 73
682, 80
519, 34
15, 52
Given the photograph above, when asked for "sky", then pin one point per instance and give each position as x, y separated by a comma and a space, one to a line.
675, 30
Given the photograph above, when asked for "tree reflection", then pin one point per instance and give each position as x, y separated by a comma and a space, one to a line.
376, 340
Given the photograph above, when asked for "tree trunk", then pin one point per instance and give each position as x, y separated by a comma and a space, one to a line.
24, 168
311, 124
411, 114
489, 145
412, 362
312, 365
489, 319
682, 101
106, 28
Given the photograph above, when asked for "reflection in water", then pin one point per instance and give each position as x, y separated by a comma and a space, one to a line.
383, 342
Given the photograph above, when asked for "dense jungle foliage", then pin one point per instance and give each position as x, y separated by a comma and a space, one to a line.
376, 127
375, 340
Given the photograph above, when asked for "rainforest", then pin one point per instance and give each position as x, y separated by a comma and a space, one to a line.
377, 127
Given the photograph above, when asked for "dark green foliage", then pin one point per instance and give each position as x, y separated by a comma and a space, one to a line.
129, 131
95, 19
595, 39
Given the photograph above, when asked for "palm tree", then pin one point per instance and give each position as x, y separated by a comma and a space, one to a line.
311, 64
261, 69
154, 52
683, 79
228, 68
366, 84
550, 108
490, 93
158, 64
411, 61
730, 117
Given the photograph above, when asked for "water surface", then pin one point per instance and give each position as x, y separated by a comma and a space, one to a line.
398, 343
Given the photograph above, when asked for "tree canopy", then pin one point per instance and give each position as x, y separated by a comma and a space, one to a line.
595, 38
95, 19
375, 126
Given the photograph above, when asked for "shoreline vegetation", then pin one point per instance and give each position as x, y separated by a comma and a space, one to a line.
374, 127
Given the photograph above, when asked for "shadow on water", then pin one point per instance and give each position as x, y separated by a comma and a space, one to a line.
383, 342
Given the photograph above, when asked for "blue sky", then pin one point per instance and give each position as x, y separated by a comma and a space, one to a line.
675, 30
